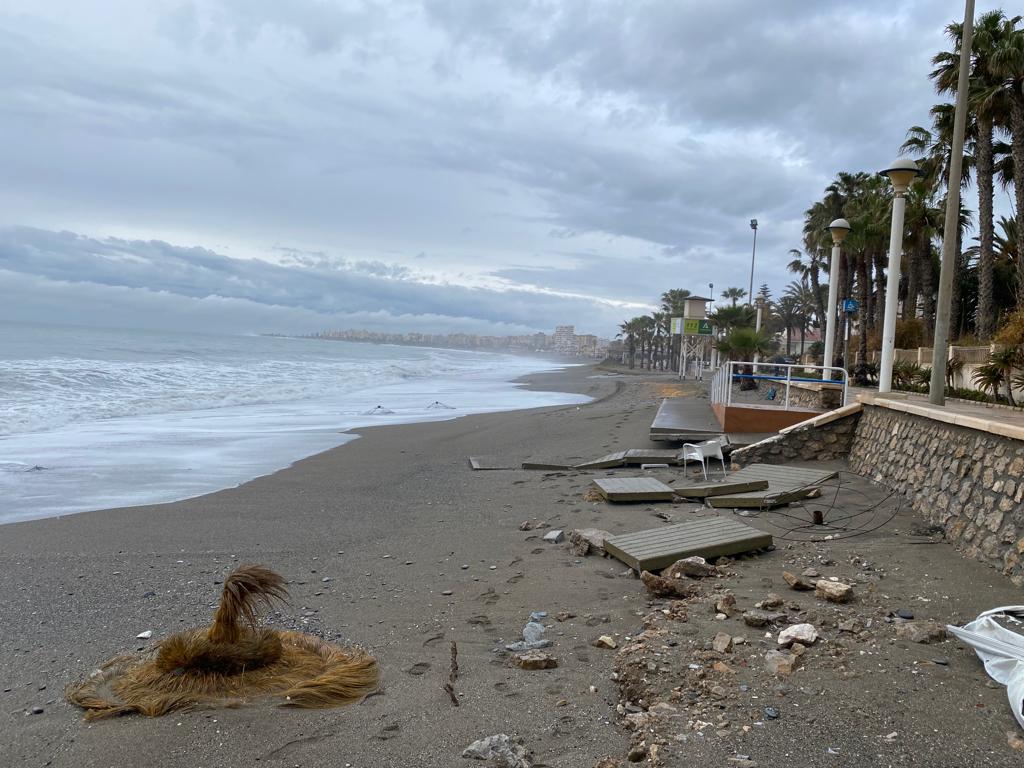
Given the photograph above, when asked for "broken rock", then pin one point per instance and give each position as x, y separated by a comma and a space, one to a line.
758, 618
606, 641
501, 750
780, 664
805, 634
726, 604
695, 567
722, 642
920, 631
662, 587
797, 583
833, 591
583, 541
554, 537
534, 660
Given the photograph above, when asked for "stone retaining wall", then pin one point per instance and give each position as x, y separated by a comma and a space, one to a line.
812, 443
968, 481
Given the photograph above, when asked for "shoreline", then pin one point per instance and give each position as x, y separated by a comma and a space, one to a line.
354, 514
37, 497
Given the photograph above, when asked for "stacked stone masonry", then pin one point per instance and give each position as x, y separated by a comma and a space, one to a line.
969, 482
824, 443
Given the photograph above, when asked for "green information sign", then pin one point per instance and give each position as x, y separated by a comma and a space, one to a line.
696, 327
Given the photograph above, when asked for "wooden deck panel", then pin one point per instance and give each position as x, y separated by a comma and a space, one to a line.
548, 465
657, 548
609, 461
685, 415
651, 456
634, 489
721, 488
785, 484
489, 462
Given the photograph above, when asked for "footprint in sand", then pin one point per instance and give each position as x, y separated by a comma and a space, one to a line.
514, 579
418, 669
490, 597
479, 621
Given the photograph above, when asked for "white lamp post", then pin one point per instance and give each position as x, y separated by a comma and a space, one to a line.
753, 255
839, 229
900, 173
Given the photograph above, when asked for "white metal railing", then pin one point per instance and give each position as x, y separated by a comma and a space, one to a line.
731, 371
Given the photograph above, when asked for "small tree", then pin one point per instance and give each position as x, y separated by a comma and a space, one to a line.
742, 344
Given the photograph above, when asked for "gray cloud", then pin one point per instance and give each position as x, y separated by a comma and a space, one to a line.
442, 158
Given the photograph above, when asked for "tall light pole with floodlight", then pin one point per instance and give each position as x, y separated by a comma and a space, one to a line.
900, 173
839, 229
753, 255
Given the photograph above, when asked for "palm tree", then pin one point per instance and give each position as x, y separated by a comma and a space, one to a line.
985, 104
988, 377
1006, 360
804, 303
727, 318
1007, 68
809, 270
789, 314
743, 344
673, 302
734, 294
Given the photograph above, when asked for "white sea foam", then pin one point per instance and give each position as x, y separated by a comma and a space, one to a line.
95, 419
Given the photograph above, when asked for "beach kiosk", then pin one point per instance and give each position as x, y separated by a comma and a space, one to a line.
694, 330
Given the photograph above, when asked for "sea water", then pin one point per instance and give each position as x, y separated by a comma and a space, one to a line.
93, 419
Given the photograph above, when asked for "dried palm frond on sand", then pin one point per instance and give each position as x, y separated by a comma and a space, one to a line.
230, 662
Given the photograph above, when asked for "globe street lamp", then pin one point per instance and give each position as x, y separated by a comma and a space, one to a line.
839, 229
753, 253
900, 173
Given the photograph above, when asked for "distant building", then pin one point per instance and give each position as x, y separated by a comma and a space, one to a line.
564, 340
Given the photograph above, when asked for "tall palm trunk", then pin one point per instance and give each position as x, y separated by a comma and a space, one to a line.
816, 287
958, 269
985, 321
913, 260
862, 298
1017, 152
867, 309
880, 267
926, 281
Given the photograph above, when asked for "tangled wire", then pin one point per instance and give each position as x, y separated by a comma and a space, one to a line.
842, 509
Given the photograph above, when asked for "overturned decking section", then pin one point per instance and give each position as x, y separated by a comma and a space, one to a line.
707, 489
785, 484
692, 420
634, 489
658, 548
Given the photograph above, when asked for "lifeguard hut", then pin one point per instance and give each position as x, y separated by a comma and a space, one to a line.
695, 332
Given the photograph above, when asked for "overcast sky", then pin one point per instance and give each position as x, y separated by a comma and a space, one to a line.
492, 166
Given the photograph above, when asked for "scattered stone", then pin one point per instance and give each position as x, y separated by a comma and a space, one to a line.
758, 618
942, 661
36, 710
726, 604
583, 541
1014, 741
605, 641
446, 592
501, 750
564, 615
607, 762
696, 567
833, 591
534, 660
810, 573
554, 536
722, 667
526, 525
795, 582
772, 601
659, 586
780, 664
145, 635
771, 713
804, 634
905, 613
722, 642
920, 631
743, 761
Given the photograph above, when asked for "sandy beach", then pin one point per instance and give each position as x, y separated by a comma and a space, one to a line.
370, 536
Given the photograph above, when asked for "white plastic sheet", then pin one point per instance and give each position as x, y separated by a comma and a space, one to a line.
1001, 651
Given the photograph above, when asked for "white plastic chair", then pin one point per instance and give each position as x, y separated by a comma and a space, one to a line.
709, 449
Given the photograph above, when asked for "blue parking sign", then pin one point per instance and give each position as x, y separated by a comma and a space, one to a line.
850, 306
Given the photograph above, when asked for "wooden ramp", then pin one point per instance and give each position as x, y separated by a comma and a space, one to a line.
610, 461
634, 489
489, 462
720, 488
652, 456
785, 484
546, 465
685, 418
658, 548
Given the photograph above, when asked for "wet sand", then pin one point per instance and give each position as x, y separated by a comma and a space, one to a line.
390, 519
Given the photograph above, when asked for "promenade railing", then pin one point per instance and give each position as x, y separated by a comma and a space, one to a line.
730, 372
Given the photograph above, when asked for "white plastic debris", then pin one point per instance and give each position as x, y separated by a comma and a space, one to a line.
1001, 651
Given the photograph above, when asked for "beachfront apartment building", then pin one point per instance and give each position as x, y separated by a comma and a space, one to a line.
563, 341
